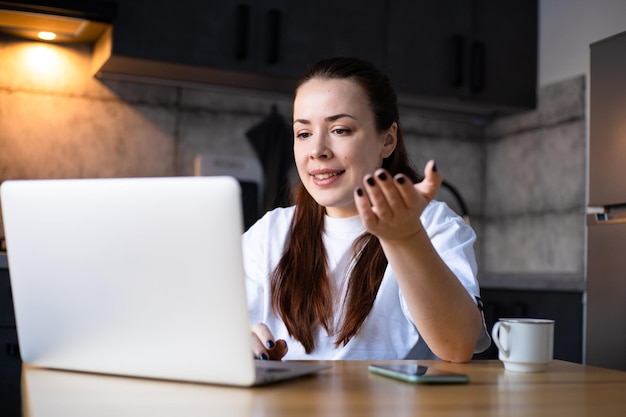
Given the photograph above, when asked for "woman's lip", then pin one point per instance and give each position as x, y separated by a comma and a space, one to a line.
323, 171
325, 176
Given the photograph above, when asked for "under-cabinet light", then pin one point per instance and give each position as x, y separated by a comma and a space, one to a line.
47, 36
62, 29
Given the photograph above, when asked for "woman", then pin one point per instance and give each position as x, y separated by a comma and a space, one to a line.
366, 262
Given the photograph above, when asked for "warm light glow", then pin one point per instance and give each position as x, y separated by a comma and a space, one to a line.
42, 61
47, 36
44, 66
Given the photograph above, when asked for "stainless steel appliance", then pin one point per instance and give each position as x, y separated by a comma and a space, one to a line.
605, 326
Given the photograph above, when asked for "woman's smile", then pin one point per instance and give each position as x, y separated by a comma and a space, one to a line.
326, 177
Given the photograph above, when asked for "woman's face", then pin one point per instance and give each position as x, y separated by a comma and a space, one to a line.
336, 143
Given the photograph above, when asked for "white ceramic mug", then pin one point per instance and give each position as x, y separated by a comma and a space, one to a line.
524, 345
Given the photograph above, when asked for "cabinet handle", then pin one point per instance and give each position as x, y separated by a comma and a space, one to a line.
458, 60
12, 349
477, 60
273, 36
242, 28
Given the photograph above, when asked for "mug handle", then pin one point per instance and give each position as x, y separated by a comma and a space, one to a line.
495, 334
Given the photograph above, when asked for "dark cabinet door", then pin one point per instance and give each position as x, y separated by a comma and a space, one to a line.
188, 32
10, 363
267, 37
349, 28
503, 53
7, 316
10, 374
295, 35
426, 46
481, 52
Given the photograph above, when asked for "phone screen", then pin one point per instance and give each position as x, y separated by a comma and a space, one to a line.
418, 374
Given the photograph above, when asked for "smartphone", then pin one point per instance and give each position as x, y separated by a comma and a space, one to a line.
418, 374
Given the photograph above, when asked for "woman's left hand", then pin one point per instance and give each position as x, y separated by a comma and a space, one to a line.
390, 207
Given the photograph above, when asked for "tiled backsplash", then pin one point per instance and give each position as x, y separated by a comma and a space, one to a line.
523, 177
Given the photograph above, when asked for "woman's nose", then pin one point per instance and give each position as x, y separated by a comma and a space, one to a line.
319, 149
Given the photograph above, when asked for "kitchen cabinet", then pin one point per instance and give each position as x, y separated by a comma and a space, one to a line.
456, 52
10, 363
10, 372
564, 307
452, 54
425, 48
503, 54
7, 317
277, 38
211, 33
307, 31
8, 334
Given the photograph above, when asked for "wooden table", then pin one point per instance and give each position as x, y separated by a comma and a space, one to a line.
348, 389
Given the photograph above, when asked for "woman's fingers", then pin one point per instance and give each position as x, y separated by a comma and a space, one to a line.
264, 346
279, 351
431, 183
390, 206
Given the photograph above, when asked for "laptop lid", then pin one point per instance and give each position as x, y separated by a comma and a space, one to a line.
134, 276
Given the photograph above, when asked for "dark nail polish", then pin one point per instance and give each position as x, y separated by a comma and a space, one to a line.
371, 181
435, 167
382, 176
270, 344
400, 180
263, 357
359, 192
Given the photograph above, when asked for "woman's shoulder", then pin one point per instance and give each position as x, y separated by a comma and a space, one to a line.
279, 215
275, 220
438, 216
438, 212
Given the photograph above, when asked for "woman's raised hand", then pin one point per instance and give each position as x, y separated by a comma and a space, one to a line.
390, 207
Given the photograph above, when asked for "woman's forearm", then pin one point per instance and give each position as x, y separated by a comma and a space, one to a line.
443, 311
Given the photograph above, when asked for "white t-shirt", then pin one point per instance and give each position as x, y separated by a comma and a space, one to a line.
388, 332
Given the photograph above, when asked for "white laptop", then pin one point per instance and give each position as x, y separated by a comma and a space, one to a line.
136, 276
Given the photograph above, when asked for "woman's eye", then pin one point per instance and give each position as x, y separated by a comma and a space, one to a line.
341, 131
303, 135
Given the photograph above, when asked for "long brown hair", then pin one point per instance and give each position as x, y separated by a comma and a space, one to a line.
300, 285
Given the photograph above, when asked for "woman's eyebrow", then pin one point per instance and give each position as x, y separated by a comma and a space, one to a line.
339, 116
327, 119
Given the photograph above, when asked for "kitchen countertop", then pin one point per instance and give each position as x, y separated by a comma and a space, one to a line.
533, 281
